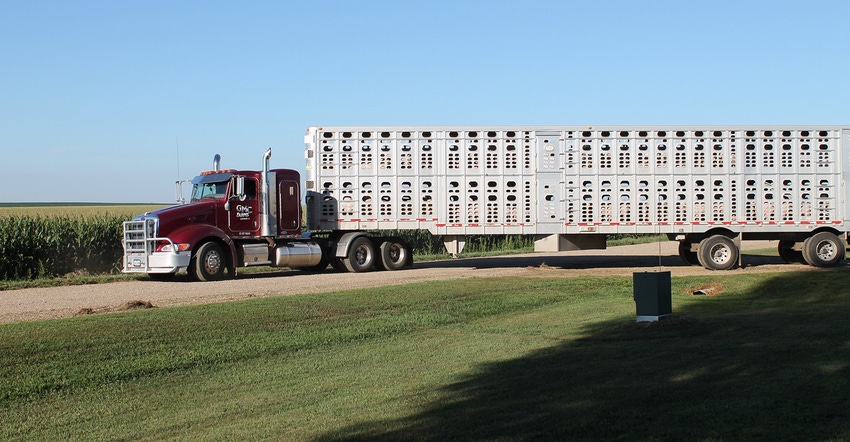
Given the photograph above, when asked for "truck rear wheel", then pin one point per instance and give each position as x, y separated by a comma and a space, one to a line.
394, 254
824, 249
209, 262
718, 252
338, 264
361, 256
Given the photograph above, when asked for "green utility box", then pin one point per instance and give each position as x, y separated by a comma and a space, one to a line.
652, 296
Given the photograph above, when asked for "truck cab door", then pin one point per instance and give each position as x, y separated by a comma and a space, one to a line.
289, 208
243, 217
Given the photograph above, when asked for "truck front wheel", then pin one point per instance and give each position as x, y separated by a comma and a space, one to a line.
209, 262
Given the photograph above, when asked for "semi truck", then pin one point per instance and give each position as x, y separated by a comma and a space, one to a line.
568, 187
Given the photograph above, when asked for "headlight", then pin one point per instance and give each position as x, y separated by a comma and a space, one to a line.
173, 247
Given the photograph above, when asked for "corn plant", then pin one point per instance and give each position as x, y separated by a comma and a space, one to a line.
34, 246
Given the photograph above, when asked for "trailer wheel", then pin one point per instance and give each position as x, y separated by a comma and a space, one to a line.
394, 254
209, 262
361, 256
687, 255
824, 249
718, 252
788, 254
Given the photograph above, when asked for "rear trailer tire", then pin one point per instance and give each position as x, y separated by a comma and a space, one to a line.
788, 254
824, 249
361, 256
718, 252
209, 262
687, 255
394, 254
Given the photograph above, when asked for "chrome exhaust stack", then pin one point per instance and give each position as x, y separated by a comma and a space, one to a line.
216, 162
268, 204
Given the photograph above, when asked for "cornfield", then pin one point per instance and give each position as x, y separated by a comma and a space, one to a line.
41, 247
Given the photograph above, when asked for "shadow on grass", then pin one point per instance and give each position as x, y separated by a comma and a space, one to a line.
766, 374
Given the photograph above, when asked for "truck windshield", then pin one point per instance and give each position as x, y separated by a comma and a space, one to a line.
209, 190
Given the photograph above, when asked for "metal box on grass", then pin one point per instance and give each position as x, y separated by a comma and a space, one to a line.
652, 294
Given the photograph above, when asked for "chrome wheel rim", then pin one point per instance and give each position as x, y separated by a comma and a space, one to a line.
720, 254
826, 250
212, 262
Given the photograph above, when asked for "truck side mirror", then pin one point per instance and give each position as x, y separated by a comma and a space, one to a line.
239, 187
238, 191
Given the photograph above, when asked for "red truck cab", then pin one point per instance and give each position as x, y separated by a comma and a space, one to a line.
227, 212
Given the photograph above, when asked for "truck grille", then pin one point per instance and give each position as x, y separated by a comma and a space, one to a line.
139, 243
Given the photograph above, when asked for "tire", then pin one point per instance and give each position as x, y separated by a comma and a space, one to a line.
687, 255
337, 264
361, 256
788, 254
209, 262
718, 252
824, 249
394, 254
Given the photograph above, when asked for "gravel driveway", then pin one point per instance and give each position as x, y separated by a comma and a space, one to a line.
60, 302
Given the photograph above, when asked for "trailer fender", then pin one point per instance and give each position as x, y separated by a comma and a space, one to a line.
343, 243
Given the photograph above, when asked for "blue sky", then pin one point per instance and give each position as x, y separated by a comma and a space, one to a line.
96, 94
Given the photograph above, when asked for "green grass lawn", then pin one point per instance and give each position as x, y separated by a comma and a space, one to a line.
768, 358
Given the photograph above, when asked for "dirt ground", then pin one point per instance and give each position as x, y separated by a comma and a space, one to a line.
61, 302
